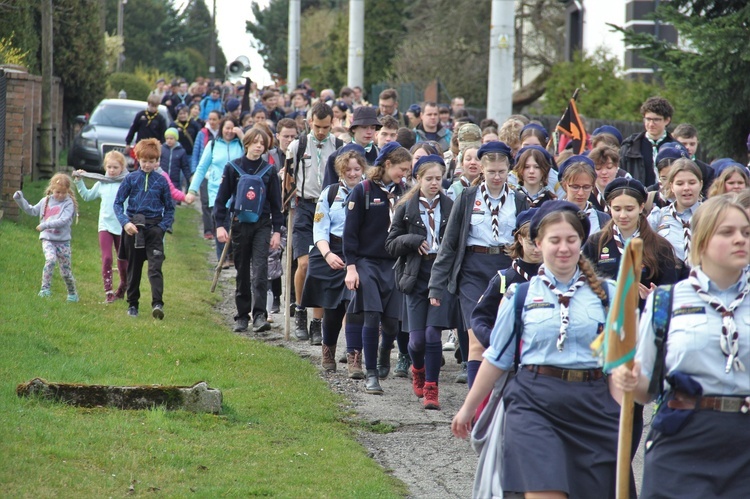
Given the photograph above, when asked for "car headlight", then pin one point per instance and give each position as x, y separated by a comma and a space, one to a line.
88, 143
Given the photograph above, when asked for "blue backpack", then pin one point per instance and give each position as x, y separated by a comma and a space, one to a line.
250, 195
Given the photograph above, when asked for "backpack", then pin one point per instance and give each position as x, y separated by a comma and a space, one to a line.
661, 315
250, 195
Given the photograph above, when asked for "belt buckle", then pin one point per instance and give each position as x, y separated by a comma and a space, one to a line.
730, 404
494, 250
574, 375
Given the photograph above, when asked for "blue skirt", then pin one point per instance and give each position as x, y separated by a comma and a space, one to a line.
560, 435
325, 287
417, 313
377, 290
707, 458
477, 270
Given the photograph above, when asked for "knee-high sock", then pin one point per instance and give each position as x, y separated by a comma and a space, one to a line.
353, 332
332, 319
433, 351
416, 348
471, 371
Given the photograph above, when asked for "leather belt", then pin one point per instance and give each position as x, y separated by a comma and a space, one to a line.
573, 375
334, 239
487, 250
718, 404
429, 256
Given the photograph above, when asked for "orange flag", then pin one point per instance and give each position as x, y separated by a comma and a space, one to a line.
571, 125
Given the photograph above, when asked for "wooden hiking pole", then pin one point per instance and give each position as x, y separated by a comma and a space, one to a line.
288, 273
220, 265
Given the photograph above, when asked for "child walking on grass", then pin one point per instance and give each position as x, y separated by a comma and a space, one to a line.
110, 230
55, 212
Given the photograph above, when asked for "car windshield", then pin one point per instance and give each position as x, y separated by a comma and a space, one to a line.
114, 116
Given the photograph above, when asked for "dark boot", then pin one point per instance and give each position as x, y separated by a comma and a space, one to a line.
384, 362
403, 365
300, 323
372, 384
316, 334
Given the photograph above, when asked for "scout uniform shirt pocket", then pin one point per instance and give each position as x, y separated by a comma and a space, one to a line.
541, 320
688, 332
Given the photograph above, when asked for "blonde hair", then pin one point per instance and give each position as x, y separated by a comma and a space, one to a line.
705, 221
743, 198
576, 169
489, 159
62, 181
116, 156
718, 185
510, 133
342, 161
681, 165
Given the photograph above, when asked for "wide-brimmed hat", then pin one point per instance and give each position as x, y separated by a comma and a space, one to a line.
365, 116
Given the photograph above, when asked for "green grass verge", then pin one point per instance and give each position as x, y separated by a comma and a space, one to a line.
281, 432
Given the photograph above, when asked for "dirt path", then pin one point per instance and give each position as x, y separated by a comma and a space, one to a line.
413, 444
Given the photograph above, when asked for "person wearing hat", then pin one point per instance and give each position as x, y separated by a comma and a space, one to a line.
304, 173
578, 174
673, 221
479, 231
560, 425
467, 135
658, 194
174, 159
532, 171
731, 177
414, 116
187, 128
526, 261
324, 284
416, 233
606, 162
233, 108
363, 129
161, 83
638, 152
430, 128
369, 267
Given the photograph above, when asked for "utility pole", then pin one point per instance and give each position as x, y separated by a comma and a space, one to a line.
45, 166
292, 67
212, 46
356, 67
120, 29
500, 77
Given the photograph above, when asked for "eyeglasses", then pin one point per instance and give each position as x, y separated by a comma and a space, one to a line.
499, 174
653, 120
576, 187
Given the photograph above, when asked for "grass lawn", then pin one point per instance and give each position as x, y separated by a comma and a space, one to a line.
281, 432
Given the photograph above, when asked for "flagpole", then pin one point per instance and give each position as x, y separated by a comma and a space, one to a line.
624, 443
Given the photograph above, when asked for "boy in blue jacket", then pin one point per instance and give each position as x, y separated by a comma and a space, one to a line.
149, 215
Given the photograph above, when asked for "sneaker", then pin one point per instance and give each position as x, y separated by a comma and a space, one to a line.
133, 311
431, 396
463, 376
417, 382
208, 236
158, 311
260, 324
450, 344
44, 293
328, 361
110, 297
402, 366
276, 306
240, 325
73, 298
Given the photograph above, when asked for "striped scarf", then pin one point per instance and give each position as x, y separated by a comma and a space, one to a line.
620, 241
430, 207
495, 212
564, 300
686, 233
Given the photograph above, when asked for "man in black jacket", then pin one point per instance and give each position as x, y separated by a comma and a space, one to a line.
639, 150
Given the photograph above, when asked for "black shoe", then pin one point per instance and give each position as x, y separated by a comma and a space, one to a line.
240, 325
158, 311
260, 324
276, 307
384, 362
133, 311
372, 384
300, 322
316, 334
292, 309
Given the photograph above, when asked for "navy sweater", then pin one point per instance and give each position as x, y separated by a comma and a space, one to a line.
365, 230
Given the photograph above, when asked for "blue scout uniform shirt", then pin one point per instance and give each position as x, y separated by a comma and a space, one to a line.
693, 338
553, 183
541, 319
662, 221
593, 214
330, 219
426, 220
480, 232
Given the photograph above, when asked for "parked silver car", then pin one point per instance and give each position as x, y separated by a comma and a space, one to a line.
105, 131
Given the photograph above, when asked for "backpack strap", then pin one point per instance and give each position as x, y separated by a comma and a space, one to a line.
367, 193
602, 218
264, 170
301, 148
502, 281
332, 191
519, 299
661, 316
338, 143
520, 201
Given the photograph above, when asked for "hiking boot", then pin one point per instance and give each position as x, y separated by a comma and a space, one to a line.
354, 365
342, 359
431, 396
260, 323
329, 358
158, 311
384, 362
463, 376
402, 366
417, 382
276, 306
133, 311
450, 344
372, 384
316, 335
240, 325
300, 324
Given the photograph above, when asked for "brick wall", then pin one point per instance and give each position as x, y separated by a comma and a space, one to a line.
23, 116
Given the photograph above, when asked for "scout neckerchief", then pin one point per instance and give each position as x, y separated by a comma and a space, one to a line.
516, 266
620, 241
391, 193
368, 147
655, 150
494, 211
430, 207
729, 341
319, 154
686, 233
600, 199
464, 181
150, 117
184, 127
564, 300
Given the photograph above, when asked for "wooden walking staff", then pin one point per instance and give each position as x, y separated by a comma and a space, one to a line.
220, 264
618, 341
290, 192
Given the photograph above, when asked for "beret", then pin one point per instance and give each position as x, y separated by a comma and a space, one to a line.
535, 147
539, 128
610, 130
352, 147
430, 158
523, 218
553, 207
630, 184
578, 158
385, 151
232, 104
498, 147
722, 164
670, 153
414, 108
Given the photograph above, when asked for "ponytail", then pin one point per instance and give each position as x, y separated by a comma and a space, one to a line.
594, 282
